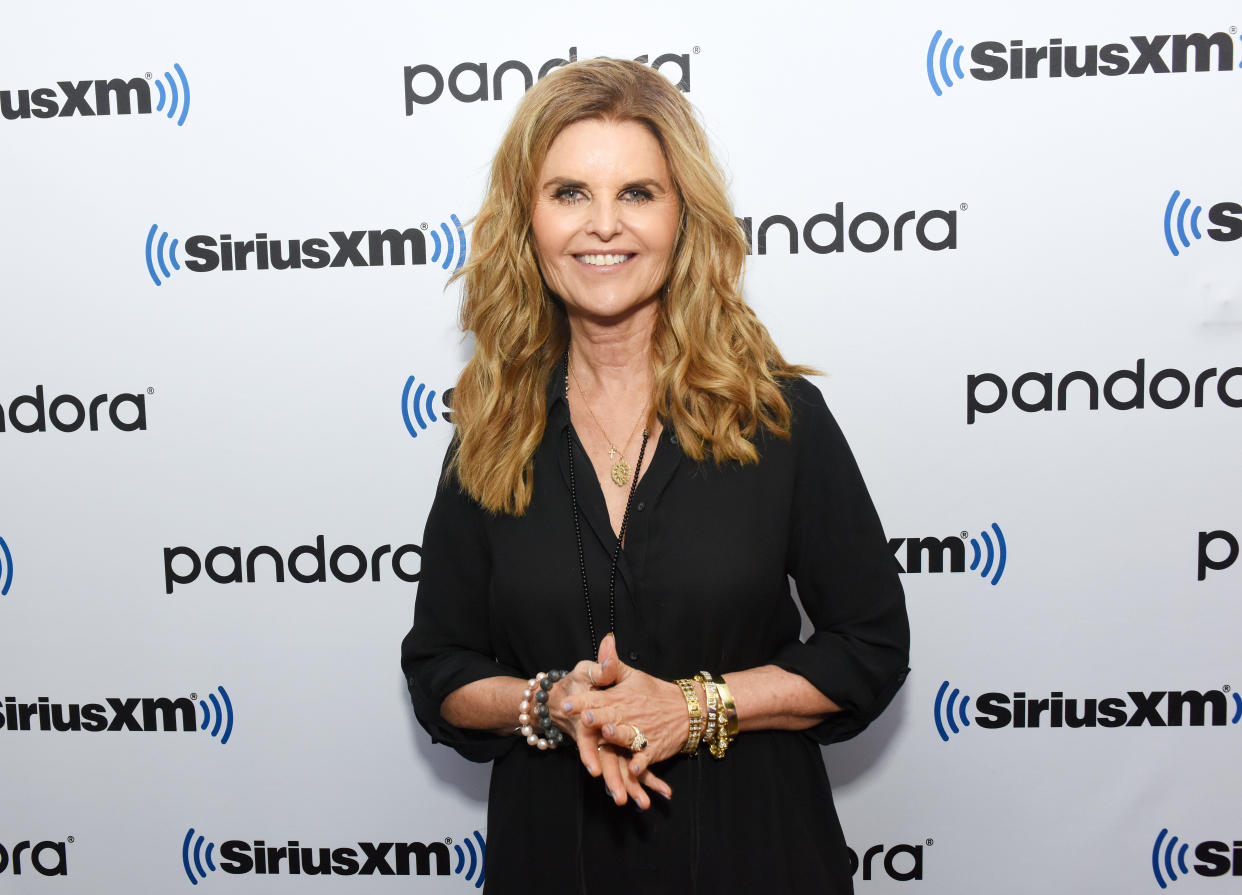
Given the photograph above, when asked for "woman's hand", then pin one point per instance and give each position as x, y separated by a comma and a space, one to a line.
609, 715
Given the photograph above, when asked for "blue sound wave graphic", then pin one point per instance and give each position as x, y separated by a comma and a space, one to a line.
1181, 222
998, 553
418, 410
174, 96
218, 714
450, 248
1237, 703
1169, 848
944, 62
193, 848
162, 253
6, 568
944, 710
476, 860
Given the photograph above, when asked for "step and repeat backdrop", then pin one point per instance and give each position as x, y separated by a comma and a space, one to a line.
1010, 236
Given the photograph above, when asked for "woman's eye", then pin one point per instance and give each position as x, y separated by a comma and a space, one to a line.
637, 195
568, 194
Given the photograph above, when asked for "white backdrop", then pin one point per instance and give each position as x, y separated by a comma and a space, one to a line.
261, 408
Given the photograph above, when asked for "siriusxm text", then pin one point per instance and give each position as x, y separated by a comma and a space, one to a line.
355, 248
1138, 55
362, 858
116, 96
1157, 708
139, 714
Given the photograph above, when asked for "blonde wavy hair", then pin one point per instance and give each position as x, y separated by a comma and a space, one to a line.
715, 368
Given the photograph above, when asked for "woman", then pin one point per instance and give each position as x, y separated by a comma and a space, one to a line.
621, 387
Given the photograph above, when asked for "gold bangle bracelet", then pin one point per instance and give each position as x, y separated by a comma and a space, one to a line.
727, 709
728, 727
696, 717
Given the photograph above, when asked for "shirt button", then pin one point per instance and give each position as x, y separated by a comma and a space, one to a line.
672, 439
633, 656
640, 505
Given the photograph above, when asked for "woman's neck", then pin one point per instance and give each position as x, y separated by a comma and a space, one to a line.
612, 359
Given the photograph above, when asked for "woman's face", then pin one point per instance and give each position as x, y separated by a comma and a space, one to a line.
605, 218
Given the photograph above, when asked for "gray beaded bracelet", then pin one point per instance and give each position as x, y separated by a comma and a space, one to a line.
537, 727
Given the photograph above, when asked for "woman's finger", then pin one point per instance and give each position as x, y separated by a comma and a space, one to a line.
632, 786
655, 784
614, 784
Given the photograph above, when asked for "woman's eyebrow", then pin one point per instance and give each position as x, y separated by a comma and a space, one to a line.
564, 181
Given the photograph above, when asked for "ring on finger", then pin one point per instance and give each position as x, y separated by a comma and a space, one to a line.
639, 743
591, 678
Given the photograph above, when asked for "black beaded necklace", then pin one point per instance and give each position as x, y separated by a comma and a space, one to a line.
625, 520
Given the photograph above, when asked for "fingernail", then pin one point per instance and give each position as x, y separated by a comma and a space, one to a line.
604, 664
610, 795
665, 795
610, 730
635, 769
567, 707
590, 716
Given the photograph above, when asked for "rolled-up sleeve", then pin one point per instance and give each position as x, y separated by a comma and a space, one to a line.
858, 654
449, 644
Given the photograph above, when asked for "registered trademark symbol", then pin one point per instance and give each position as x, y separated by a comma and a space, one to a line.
148, 76
964, 206
965, 535
695, 50
1233, 29
422, 226
150, 391
1226, 688
931, 841
448, 840
194, 696
69, 839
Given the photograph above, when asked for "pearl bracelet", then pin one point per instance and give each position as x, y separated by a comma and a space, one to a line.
535, 721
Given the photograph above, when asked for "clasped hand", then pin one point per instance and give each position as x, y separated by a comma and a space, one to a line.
602, 705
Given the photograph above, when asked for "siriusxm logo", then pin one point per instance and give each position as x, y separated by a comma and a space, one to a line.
989, 558
1214, 857
32, 413
355, 248
199, 857
116, 96
1227, 216
140, 714
826, 232
420, 406
1033, 392
1206, 541
469, 82
224, 565
1140, 55
6, 568
1156, 708
46, 857
902, 862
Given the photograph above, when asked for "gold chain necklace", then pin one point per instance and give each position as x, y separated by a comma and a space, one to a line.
620, 472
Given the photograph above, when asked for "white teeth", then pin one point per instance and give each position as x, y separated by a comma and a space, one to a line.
603, 260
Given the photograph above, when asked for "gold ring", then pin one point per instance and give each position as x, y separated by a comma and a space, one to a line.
591, 678
639, 743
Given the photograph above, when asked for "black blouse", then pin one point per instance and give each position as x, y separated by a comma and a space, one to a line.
703, 583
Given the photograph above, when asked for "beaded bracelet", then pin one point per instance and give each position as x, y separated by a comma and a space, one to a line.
696, 717
543, 734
